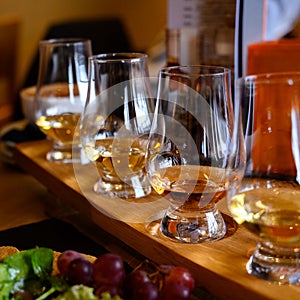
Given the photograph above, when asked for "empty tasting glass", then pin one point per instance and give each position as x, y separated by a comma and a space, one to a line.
116, 123
61, 94
265, 192
188, 150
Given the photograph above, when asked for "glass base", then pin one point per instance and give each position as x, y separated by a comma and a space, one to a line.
193, 227
122, 190
64, 155
275, 264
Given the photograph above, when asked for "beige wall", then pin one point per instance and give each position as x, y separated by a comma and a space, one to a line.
144, 20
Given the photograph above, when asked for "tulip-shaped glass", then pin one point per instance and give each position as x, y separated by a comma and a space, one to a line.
61, 94
188, 150
116, 123
265, 195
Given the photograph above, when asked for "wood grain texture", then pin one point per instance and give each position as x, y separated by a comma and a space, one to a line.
218, 267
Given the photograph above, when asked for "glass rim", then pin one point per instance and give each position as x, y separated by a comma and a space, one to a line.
117, 57
271, 77
212, 70
65, 41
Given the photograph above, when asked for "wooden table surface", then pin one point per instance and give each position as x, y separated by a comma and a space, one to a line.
218, 267
21, 197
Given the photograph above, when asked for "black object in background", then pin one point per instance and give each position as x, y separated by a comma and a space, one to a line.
51, 233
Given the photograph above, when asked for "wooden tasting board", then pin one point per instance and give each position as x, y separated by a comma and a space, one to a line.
218, 267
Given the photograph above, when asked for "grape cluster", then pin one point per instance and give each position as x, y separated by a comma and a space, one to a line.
148, 281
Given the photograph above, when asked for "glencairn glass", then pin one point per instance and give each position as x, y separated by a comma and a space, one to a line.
61, 94
116, 122
187, 152
265, 195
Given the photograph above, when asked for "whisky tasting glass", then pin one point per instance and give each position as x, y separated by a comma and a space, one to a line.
61, 94
187, 152
116, 122
265, 195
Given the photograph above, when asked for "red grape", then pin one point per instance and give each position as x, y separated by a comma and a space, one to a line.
133, 280
178, 284
80, 271
175, 290
108, 269
65, 258
145, 291
107, 274
183, 275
